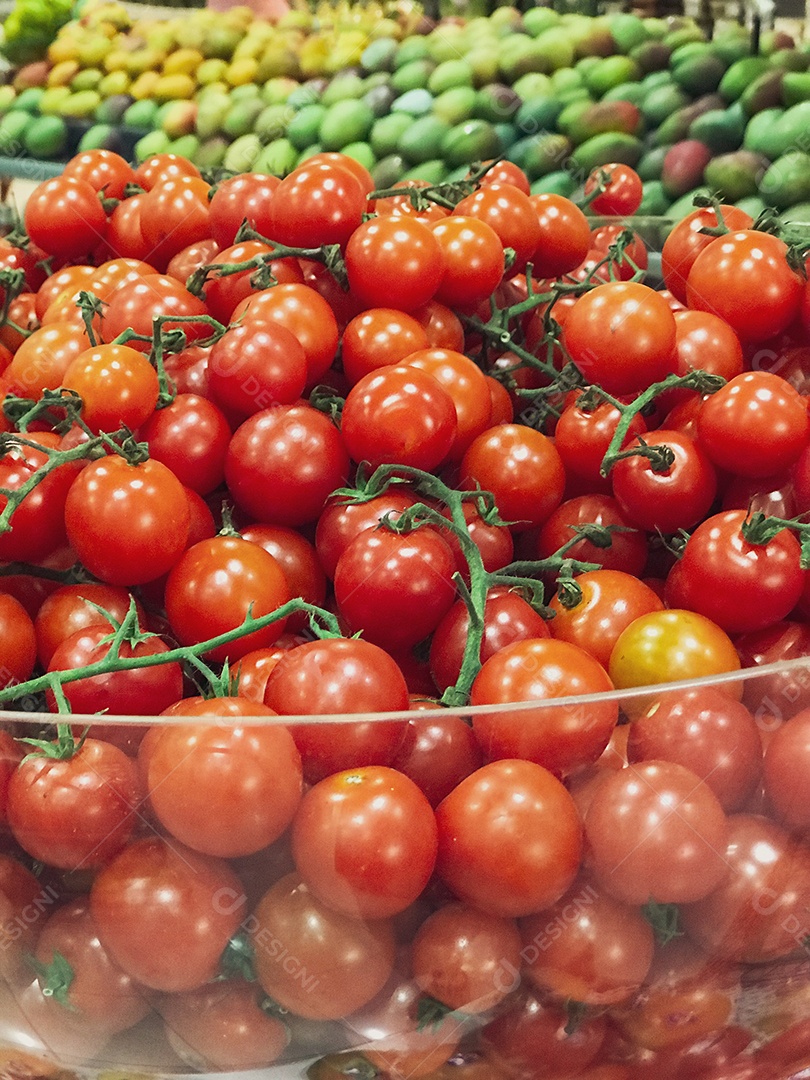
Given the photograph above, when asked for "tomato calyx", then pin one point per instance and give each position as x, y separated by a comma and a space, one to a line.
348, 1064
55, 979
64, 747
238, 959
325, 400
760, 528
431, 1013
665, 919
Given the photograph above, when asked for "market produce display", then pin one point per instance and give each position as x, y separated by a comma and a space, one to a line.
557, 94
300, 448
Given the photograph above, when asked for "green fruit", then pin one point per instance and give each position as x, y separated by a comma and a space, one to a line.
737, 175
787, 181
388, 171
113, 109
412, 76
559, 182
721, 129
651, 56
361, 152
211, 153
8, 95
432, 171
763, 133
186, 146
50, 104
632, 92
277, 158
538, 114
272, 122
539, 19
308, 152
45, 137
496, 103
654, 200
765, 92
661, 102
241, 118
472, 140
798, 214
423, 139
82, 104
303, 127
448, 74
379, 55
686, 204
154, 142
344, 87
387, 131
609, 72
545, 154
28, 100
456, 105
628, 31
699, 74
88, 79
417, 102
651, 165
345, 122
101, 137
536, 85
12, 131
141, 114
604, 149
740, 75
412, 48
598, 118
795, 87
308, 93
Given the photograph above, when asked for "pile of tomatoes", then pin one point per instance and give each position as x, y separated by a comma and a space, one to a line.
207, 422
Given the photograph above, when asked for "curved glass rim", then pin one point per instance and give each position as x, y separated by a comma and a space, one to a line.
747, 675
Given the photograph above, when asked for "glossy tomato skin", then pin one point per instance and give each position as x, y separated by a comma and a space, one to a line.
686, 241
165, 913
247, 196
78, 812
129, 692
587, 947
64, 216
523, 470
437, 754
224, 790
509, 839
785, 769
622, 191
582, 438
760, 583
38, 526
340, 522
190, 436
670, 499
759, 908
339, 676
18, 644
507, 618
395, 587
621, 335
679, 857
135, 305
100, 992
756, 425
365, 842
338, 964
561, 738
399, 415
744, 278
509, 212
377, 337
316, 204
385, 250
708, 732
283, 464
215, 583
256, 366
148, 497
222, 1026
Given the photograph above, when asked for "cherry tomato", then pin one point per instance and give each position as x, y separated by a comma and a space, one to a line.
18, 643
394, 257
621, 335
687, 239
565, 235
666, 646
744, 277
224, 791
509, 839
622, 191
246, 197
318, 203
676, 855
316, 962
222, 1026
437, 753
165, 913
760, 583
215, 584
364, 842
284, 463
466, 384
473, 260
64, 216
379, 337
75, 812
337, 676
341, 521
587, 947
627, 550
148, 498
510, 213
256, 366
399, 415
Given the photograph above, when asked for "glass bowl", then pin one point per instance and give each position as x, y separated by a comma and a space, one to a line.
674, 928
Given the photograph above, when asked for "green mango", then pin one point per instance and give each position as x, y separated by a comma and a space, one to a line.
614, 146
787, 181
